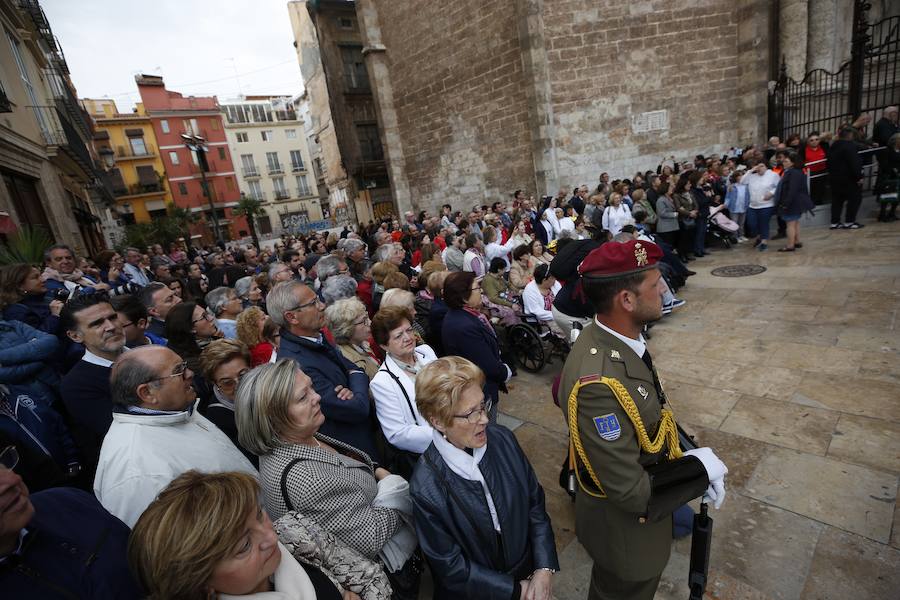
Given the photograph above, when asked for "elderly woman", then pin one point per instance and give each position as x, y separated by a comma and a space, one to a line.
466, 332
349, 323
248, 291
479, 509
223, 363
393, 386
227, 550
225, 305
338, 287
539, 253
522, 269
498, 297
406, 300
538, 296
333, 484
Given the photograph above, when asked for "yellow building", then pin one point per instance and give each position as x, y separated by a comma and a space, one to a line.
129, 153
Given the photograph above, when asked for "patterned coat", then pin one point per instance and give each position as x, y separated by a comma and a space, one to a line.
331, 489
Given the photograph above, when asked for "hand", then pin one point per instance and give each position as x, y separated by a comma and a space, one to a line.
381, 473
715, 473
100, 287
56, 306
541, 583
348, 595
343, 393
113, 274
526, 586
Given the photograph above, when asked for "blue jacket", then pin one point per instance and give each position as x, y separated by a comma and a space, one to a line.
467, 556
37, 426
436, 315
464, 335
34, 311
86, 396
53, 284
25, 356
73, 549
347, 421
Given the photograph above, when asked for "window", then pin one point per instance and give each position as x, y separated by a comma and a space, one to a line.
297, 161
214, 124
355, 75
302, 186
164, 125
182, 188
138, 147
345, 23
173, 158
290, 134
264, 224
221, 153
241, 137
190, 126
281, 192
266, 135
256, 190
26, 81
273, 164
369, 142
248, 167
229, 184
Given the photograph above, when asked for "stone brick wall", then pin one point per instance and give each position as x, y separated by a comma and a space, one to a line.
468, 84
459, 94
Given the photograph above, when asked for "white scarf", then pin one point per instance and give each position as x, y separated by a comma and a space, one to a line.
291, 582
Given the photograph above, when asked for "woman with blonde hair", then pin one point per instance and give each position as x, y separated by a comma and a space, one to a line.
479, 508
229, 549
380, 271
349, 323
250, 325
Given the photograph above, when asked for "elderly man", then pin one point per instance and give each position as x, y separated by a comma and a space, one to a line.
156, 435
278, 272
159, 300
579, 200
885, 128
90, 320
342, 386
331, 266
355, 252
132, 268
225, 305
60, 272
453, 255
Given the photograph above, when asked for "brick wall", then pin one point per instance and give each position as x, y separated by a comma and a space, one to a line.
461, 92
458, 84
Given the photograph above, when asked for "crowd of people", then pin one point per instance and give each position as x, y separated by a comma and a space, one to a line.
313, 417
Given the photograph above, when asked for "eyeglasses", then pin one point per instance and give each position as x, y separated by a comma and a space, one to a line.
477, 288
180, 371
205, 317
364, 321
302, 306
474, 416
9, 457
228, 383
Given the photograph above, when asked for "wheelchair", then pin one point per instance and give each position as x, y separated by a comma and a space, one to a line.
531, 344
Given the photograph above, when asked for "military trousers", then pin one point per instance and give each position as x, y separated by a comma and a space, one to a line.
606, 586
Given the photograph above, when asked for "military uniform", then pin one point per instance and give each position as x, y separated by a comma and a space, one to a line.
625, 450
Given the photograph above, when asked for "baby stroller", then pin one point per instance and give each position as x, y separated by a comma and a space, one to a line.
721, 227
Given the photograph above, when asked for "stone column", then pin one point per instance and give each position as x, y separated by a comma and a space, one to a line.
793, 36
753, 67
537, 91
383, 92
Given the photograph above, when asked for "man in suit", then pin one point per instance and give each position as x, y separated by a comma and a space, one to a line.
342, 386
631, 471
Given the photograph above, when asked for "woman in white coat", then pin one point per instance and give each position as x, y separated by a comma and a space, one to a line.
394, 385
616, 215
538, 296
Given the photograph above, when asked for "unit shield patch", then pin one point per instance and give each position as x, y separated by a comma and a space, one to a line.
608, 427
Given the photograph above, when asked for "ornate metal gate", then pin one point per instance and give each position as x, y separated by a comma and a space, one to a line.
866, 84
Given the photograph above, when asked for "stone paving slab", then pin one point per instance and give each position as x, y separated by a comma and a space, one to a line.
849, 566
782, 423
850, 497
870, 442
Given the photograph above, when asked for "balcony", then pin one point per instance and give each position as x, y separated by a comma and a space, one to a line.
66, 101
303, 193
250, 172
5, 105
297, 168
282, 195
138, 189
258, 196
128, 152
59, 132
276, 170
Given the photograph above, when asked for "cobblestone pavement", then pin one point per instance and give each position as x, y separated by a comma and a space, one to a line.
793, 376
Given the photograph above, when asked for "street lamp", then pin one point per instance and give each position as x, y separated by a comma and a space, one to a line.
197, 144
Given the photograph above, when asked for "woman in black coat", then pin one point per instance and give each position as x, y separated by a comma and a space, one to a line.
466, 332
478, 507
792, 199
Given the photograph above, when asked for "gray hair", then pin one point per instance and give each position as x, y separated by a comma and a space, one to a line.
341, 316
274, 268
146, 293
58, 247
242, 286
282, 299
623, 237
352, 245
338, 288
128, 373
398, 297
217, 298
383, 253
211, 258
327, 266
261, 404
132, 249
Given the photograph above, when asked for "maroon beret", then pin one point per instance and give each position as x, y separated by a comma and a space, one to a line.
613, 259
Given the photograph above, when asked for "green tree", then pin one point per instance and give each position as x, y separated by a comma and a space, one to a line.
250, 208
183, 218
27, 245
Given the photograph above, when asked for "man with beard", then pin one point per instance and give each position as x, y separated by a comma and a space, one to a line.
630, 469
90, 320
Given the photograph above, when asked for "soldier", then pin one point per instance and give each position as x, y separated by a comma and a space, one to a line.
624, 446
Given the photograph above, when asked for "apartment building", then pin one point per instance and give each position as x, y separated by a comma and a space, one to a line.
268, 141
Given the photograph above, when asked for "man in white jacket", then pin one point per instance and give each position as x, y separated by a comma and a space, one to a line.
156, 435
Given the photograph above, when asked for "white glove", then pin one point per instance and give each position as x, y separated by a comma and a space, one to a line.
715, 473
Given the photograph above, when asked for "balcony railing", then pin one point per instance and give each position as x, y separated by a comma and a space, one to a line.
297, 167
136, 189
250, 171
276, 170
5, 105
259, 196
303, 192
282, 195
58, 131
128, 152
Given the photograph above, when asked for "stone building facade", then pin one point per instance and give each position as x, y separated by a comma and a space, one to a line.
477, 99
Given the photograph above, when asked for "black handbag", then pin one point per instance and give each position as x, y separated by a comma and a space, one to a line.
400, 462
